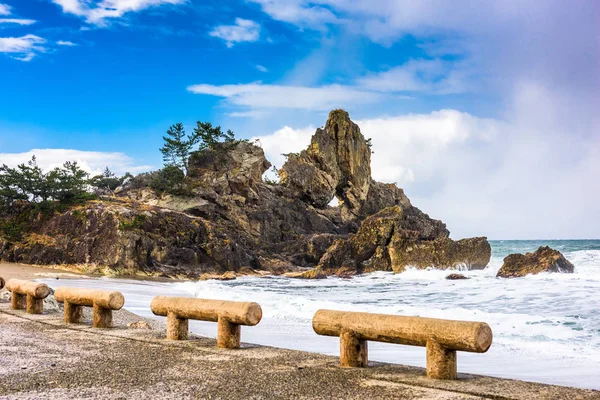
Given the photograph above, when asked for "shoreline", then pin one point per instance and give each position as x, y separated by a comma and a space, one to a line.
63, 361
289, 327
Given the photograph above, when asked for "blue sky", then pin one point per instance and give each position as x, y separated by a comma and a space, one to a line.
472, 106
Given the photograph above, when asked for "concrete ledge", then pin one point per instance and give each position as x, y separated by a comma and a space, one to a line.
42, 357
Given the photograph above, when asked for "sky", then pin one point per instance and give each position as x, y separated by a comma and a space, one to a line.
486, 113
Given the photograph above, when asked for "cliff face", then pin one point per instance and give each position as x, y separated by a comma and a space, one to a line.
233, 221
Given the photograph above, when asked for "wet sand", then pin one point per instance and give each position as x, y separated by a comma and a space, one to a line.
22, 271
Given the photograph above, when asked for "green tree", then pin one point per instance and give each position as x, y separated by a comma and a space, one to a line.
69, 183
177, 147
209, 136
108, 180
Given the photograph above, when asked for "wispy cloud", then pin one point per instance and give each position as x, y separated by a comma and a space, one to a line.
429, 76
23, 48
261, 96
98, 13
244, 30
261, 68
17, 21
4, 9
434, 77
65, 43
299, 12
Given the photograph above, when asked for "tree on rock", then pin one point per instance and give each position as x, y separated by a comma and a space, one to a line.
209, 136
177, 147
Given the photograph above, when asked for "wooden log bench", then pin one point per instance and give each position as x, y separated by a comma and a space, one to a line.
228, 315
28, 295
102, 301
442, 338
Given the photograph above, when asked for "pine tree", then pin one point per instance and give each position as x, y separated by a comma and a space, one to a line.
177, 147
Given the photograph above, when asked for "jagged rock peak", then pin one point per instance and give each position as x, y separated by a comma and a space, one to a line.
337, 163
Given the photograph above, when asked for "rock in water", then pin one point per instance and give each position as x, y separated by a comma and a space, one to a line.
455, 277
543, 259
398, 237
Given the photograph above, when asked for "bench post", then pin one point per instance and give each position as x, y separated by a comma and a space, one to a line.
177, 328
102, 317
441, 362
354, 352
18, 301
228, 334
73, 313
34, 305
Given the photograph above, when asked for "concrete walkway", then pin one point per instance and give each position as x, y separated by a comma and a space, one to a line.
42, 358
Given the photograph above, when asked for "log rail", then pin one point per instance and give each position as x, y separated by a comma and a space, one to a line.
228, 315
28, 295
102, 301
442, 338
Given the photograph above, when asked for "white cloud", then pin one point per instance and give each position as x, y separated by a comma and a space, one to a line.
261, 68
65, 43
430, 76
285, 140
244, 30
4, 9
17, 21
97, 13
24, 48
257, 95
522, 178
299, 12
93, 162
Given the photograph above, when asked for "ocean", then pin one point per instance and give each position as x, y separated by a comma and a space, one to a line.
546, 327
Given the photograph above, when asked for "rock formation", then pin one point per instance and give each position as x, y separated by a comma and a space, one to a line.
228, 219
544, 259
398, 237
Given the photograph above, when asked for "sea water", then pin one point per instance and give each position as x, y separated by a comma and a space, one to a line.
546, 327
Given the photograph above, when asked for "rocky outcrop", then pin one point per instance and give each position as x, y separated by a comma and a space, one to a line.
544, 259
396, 238
127, 238
337, 163
224, 218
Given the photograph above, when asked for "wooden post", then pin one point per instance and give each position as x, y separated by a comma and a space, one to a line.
177, 328
102, 317
34, 305
354, 352
73, 313
441, 362
228, 334
18, 301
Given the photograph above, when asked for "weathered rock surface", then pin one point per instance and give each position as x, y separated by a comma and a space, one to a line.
396, 238
544, 259
230, 222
